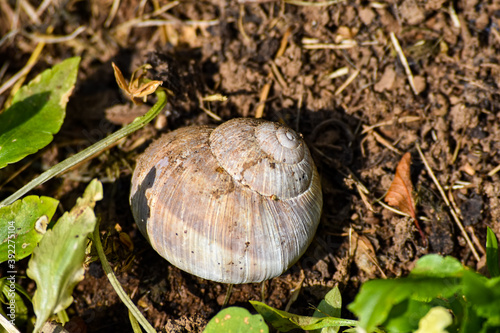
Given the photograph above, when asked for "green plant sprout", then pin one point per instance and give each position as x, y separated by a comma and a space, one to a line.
36, 114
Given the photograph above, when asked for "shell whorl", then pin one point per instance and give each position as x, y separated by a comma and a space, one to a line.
268, 157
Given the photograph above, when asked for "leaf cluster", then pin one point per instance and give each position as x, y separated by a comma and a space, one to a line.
439, 295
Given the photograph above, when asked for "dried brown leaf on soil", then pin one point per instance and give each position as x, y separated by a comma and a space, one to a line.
400, 192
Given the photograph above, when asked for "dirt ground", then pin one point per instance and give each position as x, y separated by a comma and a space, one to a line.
335, 72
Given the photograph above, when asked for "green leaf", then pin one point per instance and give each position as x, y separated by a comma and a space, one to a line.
25, 222
37, 112
57, 263
285, 321
435, 321
434, 265
234, 320
484, 295
492, 253
330, 306
376, 298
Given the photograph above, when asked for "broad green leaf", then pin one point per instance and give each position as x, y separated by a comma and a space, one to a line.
376, 298
435, 321
57, 263
434, 265
37, 112
236, 320
492, 253
330, 306
22, 226
285, 321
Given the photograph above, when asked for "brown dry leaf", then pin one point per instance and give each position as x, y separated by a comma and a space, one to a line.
137, 88
400, 192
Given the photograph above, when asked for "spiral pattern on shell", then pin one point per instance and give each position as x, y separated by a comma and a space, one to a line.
236, 204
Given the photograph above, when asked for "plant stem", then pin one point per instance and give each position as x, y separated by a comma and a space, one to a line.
7, 325
92, 150
116, 285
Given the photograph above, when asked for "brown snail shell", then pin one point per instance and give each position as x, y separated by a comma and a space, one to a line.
238, 203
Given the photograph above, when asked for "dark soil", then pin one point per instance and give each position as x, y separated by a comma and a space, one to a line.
357, 124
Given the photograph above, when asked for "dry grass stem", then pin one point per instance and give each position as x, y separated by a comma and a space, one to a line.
402, 120
392, 209
454, 16
30, 11
313, 4
494, 171
337, 73
112, 13
277, 75
19, 76
447, 202
404, 62
207, 111
380, 139
347, 82
51, 39
259, 111
345, 44
43, 6
240, 25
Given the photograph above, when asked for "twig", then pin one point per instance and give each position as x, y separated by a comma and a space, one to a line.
25, 70
259, 111
116, 284
447, 202
345, 44
347, 82
403, 60
313, 4
112, 13
50, 39
495, 170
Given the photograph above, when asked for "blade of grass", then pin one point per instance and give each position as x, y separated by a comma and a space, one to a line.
492, 253
116, 285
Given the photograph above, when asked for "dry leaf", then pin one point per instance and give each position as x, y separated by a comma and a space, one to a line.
400, 193
137, 88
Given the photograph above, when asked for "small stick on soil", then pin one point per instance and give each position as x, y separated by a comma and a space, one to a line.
51, 39
18, 77
259, 112
112, 13
447, 202
495, 170
403, 60
240, 25
380, 139
30, 11
407, 119
346, 44
313, 4
347, 82
229, 291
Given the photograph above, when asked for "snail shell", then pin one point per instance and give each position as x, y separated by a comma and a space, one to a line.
238, 203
